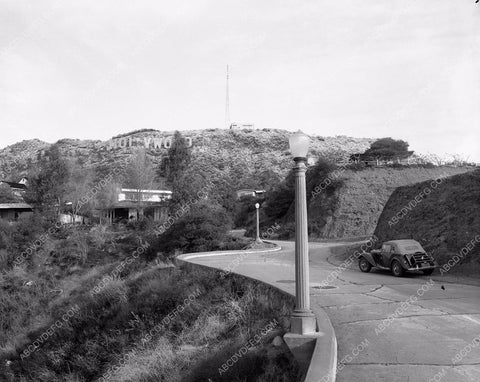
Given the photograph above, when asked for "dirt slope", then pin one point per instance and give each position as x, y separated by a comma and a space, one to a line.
445, 222
365, 193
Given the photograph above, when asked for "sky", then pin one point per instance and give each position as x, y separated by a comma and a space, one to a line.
93, 69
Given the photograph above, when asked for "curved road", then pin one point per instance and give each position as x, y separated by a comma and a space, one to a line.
388, 329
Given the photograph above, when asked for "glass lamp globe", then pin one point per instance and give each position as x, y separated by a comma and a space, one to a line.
299, 144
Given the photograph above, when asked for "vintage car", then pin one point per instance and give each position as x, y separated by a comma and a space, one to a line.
399, 256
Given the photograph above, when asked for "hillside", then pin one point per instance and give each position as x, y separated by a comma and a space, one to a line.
248, 159
267, 148
107, 310
445, 222
364, 194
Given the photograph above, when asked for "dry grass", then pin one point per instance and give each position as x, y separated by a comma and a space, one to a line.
158, 363
114, 321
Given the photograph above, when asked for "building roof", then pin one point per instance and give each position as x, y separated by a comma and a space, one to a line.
17, 206
15, 185
132, 204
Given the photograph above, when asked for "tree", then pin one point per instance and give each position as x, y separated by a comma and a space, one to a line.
139, 175
179, 158
6, 194
48, 184
280, 200
323, 176
78, 190
177, 171
388, 148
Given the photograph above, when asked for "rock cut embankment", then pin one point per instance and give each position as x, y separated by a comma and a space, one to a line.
445, 220
365, 193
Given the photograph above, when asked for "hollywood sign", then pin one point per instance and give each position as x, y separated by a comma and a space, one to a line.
154, 143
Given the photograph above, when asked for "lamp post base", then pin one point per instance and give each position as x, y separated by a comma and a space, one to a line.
303, 322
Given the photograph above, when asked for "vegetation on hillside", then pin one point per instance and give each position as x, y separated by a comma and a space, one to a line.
201, 226
123, 289
387, 148
322, 185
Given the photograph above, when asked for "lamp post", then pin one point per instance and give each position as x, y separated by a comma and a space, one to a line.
257, 239
303, 320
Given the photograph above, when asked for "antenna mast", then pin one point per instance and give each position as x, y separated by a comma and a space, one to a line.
227, 106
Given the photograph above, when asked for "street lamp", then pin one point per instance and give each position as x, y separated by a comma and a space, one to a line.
257, 239
303, 320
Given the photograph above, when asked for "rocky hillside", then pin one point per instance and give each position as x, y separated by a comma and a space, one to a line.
446, 221
267, 148
365, 194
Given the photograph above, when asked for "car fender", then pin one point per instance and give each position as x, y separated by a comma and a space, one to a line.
368, 257
400, 259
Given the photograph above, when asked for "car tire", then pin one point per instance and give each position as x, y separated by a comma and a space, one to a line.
364, 265
428, 272
397, 269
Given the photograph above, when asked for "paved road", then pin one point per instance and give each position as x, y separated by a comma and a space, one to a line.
388, 329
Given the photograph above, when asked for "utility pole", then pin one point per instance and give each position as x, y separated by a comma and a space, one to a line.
227, 105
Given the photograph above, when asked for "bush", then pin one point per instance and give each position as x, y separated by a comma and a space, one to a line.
100, 235
387, 148
279, 201
203, 229
360, 166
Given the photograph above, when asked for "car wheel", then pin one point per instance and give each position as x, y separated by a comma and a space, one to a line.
364, 265
428, 272
397, 268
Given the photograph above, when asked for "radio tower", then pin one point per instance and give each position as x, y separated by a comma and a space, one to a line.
227, 106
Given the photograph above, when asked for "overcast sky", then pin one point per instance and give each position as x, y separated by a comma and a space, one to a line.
97, 68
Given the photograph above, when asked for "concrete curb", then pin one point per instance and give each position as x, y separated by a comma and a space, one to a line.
187, 256
323, 362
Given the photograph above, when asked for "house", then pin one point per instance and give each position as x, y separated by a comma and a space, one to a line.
236, 126
131, 204
12, 204
17, 188
11, 211
72, 219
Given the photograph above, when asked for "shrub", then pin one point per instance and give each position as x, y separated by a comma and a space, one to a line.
286, 231
360, 166
100, 235
203, 229
113, 291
